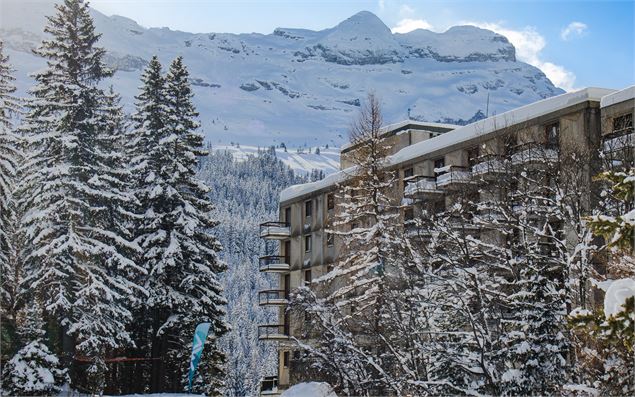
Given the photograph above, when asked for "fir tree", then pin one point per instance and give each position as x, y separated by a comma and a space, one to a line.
75, 194
9, 163
179, 251
33, 370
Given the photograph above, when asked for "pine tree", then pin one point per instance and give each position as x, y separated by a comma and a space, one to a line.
179, 251
9, 162
33, 370
74, 191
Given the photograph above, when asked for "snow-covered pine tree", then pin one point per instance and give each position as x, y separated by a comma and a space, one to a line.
534, 340
33, 370
607, 340
74, 195
9, 162
179, 251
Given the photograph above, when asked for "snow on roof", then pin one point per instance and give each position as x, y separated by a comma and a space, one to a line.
401, 124
461, 134
617, 97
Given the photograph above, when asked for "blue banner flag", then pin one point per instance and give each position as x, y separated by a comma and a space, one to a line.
200, 334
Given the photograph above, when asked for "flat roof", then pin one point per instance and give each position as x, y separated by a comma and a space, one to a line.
618, 96
421, 125
459, 135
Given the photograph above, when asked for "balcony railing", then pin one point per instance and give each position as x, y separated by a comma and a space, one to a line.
273, 332
535, 153
269, 385
454, 177
273, 297
274, 264
421, 187
489, 165
275, 230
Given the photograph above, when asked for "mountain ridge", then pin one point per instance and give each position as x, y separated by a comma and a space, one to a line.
303, 87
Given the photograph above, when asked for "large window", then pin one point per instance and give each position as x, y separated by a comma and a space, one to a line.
408, 172
439, 163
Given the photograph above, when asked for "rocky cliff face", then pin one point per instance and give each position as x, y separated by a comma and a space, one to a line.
299, 86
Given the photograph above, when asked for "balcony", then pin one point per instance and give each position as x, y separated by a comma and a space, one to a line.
275, 231
273, 332
454, 177
412, 230
489, 166
273, 297
269, 386
274, 264
419, 187
534, 153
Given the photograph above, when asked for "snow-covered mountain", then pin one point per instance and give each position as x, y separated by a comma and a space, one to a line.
302, 87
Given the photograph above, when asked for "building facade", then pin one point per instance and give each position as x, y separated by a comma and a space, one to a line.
432, 162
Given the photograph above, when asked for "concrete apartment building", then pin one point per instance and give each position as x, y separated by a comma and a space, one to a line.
432, 161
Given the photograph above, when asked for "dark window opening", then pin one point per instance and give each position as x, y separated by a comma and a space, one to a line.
308, 208
552, 131
285, 359
330, 239
439, 163
408, 214
287, 215
330, 202
408, 172
472, 156
307, 276
307, 243
623, 123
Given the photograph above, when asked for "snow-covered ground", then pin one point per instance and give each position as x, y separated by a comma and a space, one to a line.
328, 160
310, 389
303, 87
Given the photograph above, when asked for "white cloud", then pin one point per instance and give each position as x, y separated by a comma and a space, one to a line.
529, 45
406, 11
574, 29
408, 25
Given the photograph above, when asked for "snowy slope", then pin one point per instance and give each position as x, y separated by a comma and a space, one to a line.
303, 162
303, 87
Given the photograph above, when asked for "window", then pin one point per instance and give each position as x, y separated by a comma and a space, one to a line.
472, 156
623, 123
285, 359
439, 206
330, 239
408, 214
308, 208
307, 243
408, 172
354, 226
439, 163
287, 215
330, 202
551, 134
307, 276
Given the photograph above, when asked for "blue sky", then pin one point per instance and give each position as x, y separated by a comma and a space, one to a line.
576, 43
